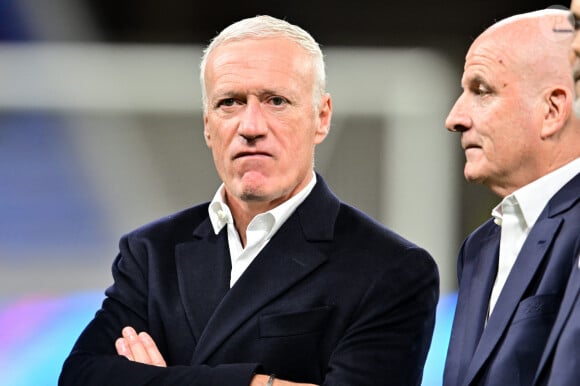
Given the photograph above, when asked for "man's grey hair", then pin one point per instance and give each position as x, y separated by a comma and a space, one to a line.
262, 27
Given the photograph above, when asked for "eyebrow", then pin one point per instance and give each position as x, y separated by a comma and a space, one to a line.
474, 79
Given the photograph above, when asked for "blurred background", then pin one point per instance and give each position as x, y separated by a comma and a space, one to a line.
101, 132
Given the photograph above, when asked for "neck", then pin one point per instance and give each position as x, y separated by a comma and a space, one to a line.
244, 211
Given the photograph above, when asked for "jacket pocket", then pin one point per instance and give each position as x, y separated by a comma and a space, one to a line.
539, 305
295, 323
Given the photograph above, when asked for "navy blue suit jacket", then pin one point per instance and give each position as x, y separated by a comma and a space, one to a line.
334, 299
507, 350
560, 364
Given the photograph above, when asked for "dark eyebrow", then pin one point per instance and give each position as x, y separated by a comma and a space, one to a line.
476, 79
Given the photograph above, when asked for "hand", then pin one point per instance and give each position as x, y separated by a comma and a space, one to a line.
139, 348
260, 380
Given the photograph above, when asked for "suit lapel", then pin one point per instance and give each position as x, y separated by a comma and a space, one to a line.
473, 304
203, 272
529, 259
286, 260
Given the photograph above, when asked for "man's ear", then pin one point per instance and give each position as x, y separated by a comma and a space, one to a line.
558, 109
324, 117
206, 134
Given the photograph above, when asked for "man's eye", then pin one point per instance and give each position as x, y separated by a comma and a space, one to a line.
277, 101
480, 90
227, 102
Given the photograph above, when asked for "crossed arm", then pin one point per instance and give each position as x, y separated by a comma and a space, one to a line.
383, 339
140, 347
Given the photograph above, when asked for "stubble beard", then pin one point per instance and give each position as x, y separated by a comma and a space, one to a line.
250, 196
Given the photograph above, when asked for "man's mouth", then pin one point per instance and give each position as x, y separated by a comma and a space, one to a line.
245, 154
468, 146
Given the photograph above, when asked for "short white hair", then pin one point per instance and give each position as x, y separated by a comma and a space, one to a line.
262, 27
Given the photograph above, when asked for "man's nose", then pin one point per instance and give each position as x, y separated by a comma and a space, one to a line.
252, 121
458, 119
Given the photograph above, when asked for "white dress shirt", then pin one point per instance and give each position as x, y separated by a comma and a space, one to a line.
260, 230
517, 214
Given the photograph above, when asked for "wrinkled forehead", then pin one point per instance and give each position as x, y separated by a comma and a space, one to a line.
491, 53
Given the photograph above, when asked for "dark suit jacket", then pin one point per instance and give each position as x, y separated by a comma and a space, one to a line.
560, 363
507, 351
334, 299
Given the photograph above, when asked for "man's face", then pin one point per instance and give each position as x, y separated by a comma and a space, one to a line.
495, 116
261, 123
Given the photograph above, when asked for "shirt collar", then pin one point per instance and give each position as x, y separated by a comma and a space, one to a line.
220, 214
498, 211
534, 197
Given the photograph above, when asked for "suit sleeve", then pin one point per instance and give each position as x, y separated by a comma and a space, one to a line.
93, 359
388, 340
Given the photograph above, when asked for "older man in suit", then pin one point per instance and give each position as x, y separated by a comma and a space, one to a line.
275, 275
521, 140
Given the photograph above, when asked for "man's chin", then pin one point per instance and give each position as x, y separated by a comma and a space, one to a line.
252, 196
472, 175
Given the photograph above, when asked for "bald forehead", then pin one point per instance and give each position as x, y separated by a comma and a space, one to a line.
539, 34
545, 26
526, 50
491, 50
